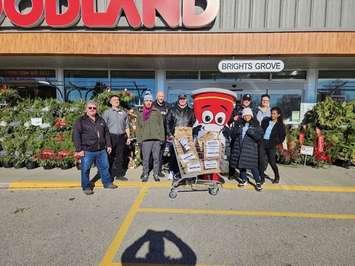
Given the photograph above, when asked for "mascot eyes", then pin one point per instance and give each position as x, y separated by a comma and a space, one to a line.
207, 117
220, 119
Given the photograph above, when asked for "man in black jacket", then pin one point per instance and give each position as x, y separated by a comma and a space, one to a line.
92, 142
180, 115
238, 110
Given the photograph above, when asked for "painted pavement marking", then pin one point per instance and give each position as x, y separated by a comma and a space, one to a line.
121, 233
167, 184
249, 213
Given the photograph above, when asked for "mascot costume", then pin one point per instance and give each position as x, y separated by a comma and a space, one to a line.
213, 109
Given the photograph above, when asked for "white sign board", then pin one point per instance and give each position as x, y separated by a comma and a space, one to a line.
250, 66
307, 150
36, 121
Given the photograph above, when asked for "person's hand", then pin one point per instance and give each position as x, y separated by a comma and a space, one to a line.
109, 150
235, 118
79, 154
128, 141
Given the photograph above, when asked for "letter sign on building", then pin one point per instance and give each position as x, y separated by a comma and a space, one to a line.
65, 20
250, 66
175, 14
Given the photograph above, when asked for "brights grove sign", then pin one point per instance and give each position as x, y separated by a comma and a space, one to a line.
175, 14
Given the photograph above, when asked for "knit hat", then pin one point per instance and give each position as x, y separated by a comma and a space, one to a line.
148, 96
247, 111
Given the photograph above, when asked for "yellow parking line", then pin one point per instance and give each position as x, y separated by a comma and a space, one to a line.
43, 184
153, 264
348, 189
167, 184
249, 213
120, 235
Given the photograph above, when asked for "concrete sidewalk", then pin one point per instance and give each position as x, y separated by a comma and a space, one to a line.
331, 176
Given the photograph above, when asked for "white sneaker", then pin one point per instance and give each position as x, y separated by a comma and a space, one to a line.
170, 176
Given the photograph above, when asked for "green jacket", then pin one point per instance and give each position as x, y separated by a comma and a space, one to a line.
151, 129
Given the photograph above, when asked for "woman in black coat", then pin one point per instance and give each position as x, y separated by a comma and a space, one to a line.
274, 134
244, 152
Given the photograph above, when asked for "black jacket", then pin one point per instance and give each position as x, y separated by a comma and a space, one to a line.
163, 109
244, 152
178, 117
89, 135
278, 132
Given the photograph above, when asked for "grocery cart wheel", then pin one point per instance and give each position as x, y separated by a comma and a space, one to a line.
213, 190
172, 194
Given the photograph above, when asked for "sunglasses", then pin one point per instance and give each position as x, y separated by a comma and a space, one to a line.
92, 108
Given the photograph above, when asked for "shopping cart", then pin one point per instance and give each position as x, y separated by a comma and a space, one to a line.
197, 179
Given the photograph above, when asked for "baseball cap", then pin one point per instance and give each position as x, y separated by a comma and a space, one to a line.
182, 96
246, 97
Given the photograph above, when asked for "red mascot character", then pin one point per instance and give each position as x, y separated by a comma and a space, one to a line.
213, 108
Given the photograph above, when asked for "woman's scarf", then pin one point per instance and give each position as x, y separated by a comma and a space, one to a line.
146, 113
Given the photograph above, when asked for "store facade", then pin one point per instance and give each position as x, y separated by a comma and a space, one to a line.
71, 48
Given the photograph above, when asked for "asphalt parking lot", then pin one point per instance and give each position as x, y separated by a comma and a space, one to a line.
139, 225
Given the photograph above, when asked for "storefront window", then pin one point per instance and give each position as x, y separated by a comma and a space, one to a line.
290, 74
182, 75
136, 82
340, 85
84, 84
214, 75
290, 105
30, 83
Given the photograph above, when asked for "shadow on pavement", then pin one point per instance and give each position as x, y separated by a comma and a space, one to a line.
156, 251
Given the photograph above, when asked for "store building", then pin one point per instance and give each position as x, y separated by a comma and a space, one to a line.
70, 48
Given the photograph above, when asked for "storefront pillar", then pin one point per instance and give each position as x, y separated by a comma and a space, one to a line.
311, 86
59, 73
160, 81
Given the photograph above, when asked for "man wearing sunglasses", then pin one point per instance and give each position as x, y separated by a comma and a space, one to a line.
92, 143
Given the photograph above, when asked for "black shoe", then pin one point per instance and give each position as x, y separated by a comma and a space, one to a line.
111, 186
88, 191
258, 187
156, 178
276, 181
144, 178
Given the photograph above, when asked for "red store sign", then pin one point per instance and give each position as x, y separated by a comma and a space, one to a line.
175, 13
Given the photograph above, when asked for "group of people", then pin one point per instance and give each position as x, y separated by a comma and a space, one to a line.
254, 134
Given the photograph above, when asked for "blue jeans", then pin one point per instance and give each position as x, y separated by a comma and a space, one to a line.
254, 171
102, 164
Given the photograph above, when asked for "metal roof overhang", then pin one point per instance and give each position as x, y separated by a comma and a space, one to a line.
164, 63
